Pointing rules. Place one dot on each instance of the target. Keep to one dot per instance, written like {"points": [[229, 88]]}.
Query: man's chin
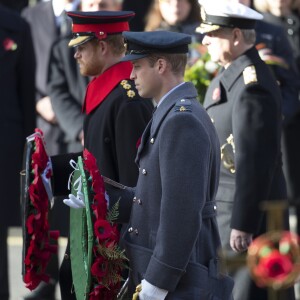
{"points": [[83, 73]]}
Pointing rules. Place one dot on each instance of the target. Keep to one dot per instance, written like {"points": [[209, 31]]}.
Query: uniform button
{"points": [[136, 232], [215, 207], [139, 201], [130, 229], [290, 31], [134, 199], [106, 140], [212, 120], [144, 172], [152, 141], [66, 256]]}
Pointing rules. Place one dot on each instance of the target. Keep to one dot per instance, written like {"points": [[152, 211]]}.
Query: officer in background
{"points": [[244, 104]]}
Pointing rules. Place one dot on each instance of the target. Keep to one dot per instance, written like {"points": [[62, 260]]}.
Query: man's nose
{"points": [[205, 40], [132, 75], [76, 54]]}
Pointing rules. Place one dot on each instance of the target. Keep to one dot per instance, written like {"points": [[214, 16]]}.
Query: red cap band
{"points": [[99, 28]]}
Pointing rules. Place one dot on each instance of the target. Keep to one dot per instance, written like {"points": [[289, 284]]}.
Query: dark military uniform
{"points": [[244, 104], [112, 129]]}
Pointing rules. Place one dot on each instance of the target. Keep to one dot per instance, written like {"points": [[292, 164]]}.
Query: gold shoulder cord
{"points": [[138, 289], [227, 159]]}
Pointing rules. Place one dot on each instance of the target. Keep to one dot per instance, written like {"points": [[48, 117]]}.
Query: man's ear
{"points": [[161, 65], [236, 36], [103, 46]]}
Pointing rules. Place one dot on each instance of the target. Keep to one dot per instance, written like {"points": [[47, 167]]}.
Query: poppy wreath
{"points": [[38, 250], [274, 259], [108, 260]]}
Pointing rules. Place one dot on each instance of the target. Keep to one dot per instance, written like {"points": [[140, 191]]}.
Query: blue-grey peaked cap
{"points": [[141, 44]]}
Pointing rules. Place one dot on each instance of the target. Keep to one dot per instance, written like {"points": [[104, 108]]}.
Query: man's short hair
{"points": [[116, 42], [249, 36], [176, 61]]}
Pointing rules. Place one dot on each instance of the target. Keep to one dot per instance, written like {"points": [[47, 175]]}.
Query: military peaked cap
{"points": [[226, 14], [97, 24], [141, 44]]}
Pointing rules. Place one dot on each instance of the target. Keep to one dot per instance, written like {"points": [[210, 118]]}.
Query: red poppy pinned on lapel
{"points": [[9, 45], [138, 142], [216, 95]]}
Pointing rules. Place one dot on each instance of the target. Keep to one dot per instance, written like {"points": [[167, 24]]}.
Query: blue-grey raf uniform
{"points": [[172, 237], [244, 104]]}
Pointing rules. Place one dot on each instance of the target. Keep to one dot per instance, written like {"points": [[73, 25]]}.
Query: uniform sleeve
{"points": [[256, 130], [26, 80], [131, 121], [288, 77], [184, 156]]}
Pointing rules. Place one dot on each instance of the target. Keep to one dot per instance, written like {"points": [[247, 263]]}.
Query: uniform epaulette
{"points": [[183, 105], [129, 89], [249, 74]]}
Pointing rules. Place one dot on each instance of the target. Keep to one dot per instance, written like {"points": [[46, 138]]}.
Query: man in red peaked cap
{"points": [[115, 115]]}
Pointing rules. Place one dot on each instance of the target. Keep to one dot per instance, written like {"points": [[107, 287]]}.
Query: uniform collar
{"points": [[169, 92], [160, 113], [183, 91], [99, 88]]}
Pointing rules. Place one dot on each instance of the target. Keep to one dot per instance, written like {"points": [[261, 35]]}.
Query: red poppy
{"points": [[9, 44], [103, 229], [274, 266], [99, 267], [138, 142], [32, 278], [39, 250], [108, 260]]}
